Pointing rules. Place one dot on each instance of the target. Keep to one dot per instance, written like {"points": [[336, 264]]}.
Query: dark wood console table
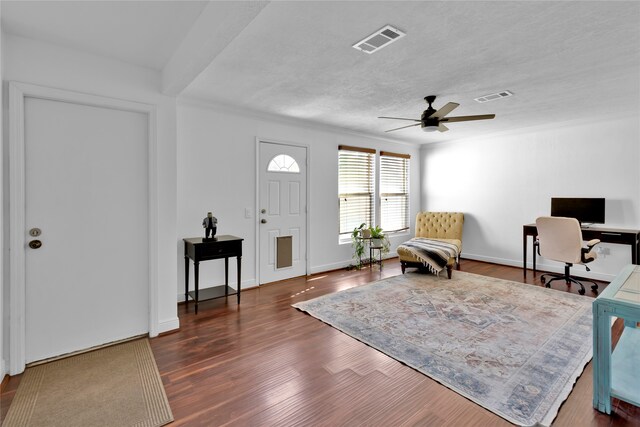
{"points": [[605, 235], [200, 249]]}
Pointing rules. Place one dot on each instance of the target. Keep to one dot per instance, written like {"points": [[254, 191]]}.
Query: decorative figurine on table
{"points": [[210, 224]]}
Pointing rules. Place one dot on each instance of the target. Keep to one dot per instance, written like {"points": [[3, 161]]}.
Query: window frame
{"points": [[406, 170], [344, 236]]}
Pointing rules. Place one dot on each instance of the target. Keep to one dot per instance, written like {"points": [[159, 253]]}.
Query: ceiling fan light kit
{"points": [[433, 120]]}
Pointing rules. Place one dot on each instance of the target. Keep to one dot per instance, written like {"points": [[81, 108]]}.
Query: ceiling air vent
{"points": [[381, 38], [494, 96]]}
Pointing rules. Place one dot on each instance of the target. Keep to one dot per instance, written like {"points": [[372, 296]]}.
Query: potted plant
{"points": [[357, 242], [379, 239]]}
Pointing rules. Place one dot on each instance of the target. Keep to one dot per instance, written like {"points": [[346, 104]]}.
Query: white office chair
{"points": [[560, 239]]}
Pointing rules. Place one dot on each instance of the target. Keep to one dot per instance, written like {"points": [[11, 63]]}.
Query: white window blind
{"points": [[394, 191], [355, 187]]}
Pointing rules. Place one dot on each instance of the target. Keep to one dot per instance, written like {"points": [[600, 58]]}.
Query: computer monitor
{"points": [[585, 210]]}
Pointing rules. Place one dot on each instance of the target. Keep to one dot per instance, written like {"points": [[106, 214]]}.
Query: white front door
{"points": [[282, 211], [86, 189]]}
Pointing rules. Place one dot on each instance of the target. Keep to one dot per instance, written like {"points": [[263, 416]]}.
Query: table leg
{"points": [[370, 257], [196, 268], [239, 258], [186, 281], [226, 276], [535, 254], [601, 360], [634, 253], [524, 253]]}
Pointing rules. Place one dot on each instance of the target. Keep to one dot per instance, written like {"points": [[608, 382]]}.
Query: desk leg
{"points": [[535, 254], [226, 276], [196, 268], [186, 281], [524, 253], [239, 271]]}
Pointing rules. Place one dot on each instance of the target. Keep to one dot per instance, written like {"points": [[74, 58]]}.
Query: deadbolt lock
{"points": [[35, 232], [35, 244], [264, 211]]}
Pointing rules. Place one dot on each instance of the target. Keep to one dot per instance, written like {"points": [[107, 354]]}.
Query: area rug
{"points": [[113, 386], [512, 348]]}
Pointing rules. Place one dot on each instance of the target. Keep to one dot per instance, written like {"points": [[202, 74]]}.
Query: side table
{"points": [[199, 249], [617, 374]]}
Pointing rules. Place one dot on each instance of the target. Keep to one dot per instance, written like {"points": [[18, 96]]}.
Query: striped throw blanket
{"points": [[433, 254]]}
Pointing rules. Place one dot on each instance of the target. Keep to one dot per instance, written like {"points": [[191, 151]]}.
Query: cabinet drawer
{"points": [[218, 250]]}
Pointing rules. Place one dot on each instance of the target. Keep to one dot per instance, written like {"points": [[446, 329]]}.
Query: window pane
{"points": [[355, 189], [283, 163], [394, 193]]}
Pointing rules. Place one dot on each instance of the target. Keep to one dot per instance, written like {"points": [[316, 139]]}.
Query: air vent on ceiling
{"points": [[381, 38], [494, 96]]}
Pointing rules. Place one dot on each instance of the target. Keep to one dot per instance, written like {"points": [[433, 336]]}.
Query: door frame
{"points": [[260, 140], [17, 289]]}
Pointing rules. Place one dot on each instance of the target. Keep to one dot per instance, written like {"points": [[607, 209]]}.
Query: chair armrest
{"points": [[591, 243]]}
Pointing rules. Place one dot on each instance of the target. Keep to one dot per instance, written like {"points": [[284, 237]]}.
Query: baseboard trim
{"points": [[541, 267], [169, 325]]}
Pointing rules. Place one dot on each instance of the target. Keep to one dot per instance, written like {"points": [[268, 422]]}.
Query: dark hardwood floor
{"points": [[267, 364]]}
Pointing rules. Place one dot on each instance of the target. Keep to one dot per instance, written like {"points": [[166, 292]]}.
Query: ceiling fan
{"points": [[433, 119]]}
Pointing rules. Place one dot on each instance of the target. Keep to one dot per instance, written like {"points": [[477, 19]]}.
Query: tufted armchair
{"points": [[443, 226]]}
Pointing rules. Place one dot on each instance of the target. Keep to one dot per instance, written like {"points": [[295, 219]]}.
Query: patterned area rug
{"points": [[515, 349], [113, 386]]}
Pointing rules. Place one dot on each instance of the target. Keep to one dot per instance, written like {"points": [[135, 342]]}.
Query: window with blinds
{"points": [[394, 191], [356, 173]]}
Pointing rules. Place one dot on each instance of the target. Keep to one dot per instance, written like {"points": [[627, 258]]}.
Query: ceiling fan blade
{"points": [[442, 128], [445, 110], [391, 130], [468, 118], [399, 118]]}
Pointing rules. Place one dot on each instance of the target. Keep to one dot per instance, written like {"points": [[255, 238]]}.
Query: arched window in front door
{"points": [[283, 163]]}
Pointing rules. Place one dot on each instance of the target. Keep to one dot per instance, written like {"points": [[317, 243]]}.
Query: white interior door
{"points": [[86, 189], [283, 209]]}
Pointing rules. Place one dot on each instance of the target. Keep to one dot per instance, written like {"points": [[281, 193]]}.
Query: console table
{"points": [[617, 373], [605, 235], [200, 249]]}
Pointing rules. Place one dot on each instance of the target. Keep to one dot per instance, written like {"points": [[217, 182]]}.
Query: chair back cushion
{"points": [[560, 238], [439, 225]]}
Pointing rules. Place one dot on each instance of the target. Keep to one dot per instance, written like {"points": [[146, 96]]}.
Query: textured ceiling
{"points": [[563, 60], [145, 33]]}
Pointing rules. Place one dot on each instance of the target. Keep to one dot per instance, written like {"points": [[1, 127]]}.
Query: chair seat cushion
{"points": [[407, 256]]}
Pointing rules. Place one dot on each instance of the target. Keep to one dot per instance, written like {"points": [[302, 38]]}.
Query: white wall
{"points": [[504, 181], [217, 172], [44, 64]]}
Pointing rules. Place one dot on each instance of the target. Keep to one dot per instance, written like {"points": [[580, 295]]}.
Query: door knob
{"points": [[35, 244], [264, 221]]}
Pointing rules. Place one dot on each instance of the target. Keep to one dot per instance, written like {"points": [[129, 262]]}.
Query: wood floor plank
{"points": [[265, 364]]}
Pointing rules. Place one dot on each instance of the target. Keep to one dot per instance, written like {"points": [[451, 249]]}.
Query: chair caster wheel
{"points": [[594, 287], [581, 291]]}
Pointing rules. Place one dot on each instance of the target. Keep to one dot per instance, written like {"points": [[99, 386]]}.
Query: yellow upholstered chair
{"points": [[439, 226]]}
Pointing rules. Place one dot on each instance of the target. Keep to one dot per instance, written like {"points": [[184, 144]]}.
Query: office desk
{"points": [[199, 249], [605, 235], [616, 374]]}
